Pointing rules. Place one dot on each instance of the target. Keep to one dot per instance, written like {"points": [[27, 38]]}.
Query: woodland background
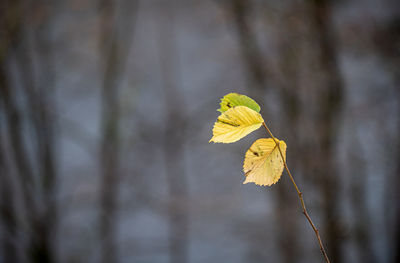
{"points": [[106, 109]]}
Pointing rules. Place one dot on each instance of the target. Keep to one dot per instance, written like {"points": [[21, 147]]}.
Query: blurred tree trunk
{"points": [[288, 88], [109, 167], [40, 217], [109, 159], [174, 139], [397, 183], [35, 98], [255, 70], [330, 99], [387, 43], [8, 217], [255, 66], [115, 40], [329, 96], [13, 24], [42, 104], [358, 187], [258, 71], [12, 122]]}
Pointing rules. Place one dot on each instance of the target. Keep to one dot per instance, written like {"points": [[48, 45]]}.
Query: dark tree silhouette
{"points": [[174, 139], [116, 26]]}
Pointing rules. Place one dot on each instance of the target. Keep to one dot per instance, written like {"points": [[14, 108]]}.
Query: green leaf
{"points": [[234, 99]]}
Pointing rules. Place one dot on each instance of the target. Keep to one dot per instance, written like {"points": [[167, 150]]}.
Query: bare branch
{"points": [[300, 194]]}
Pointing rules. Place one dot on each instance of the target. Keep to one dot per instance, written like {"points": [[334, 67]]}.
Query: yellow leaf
{"points": [[236, 123], [263, 163]]}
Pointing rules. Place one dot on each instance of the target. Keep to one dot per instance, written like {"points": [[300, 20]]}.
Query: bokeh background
{"points": [[107, 107]]}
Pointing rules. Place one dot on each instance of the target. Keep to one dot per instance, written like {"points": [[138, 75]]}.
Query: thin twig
{"points": [[300, 194]]}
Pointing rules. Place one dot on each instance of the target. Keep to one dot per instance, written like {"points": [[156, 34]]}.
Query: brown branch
{"points": [[300, 194]]}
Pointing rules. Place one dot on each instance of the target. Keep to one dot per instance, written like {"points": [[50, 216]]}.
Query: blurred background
{"points": [[107, 107]]}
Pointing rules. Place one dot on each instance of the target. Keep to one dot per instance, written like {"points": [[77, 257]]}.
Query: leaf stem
{"points": [[300, 194]]}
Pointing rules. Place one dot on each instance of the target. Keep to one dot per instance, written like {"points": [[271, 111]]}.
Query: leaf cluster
{"points": [[263, 164]]}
